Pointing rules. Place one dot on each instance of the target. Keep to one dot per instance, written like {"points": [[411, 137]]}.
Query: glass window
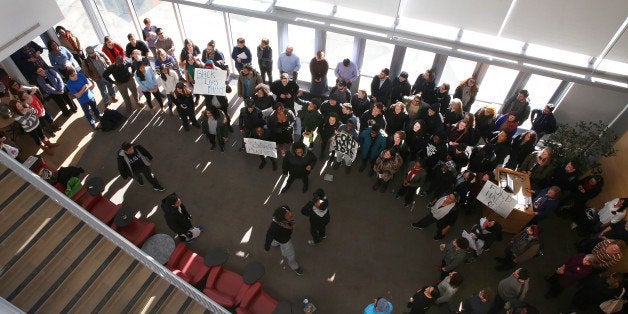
{"points": [[457, 70], [495, 85], [377, 55], [302, 39], [117, 19], [241, 27], [161, 14], [416, 62], [541, 89], [338, 47], [365, 82], [78, 22], [557, 55], [197, 21]]}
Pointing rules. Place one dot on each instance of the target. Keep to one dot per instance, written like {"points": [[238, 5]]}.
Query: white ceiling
{"points": [[619, 52], [383, 7]]}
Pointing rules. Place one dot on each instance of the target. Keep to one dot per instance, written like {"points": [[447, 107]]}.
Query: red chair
{"points": [[137, 231], [103, 209], [187, 264], [80, 197], [225, 287], [257, 301]]}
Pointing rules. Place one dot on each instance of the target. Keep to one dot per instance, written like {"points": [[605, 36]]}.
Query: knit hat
{"points": [[383, 305], [319, 193], [404, 74], [89, 50]]}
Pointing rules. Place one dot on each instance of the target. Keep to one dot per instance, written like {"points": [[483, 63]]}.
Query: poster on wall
{"points": [[500, 201], [260, 147], [210, 82]]}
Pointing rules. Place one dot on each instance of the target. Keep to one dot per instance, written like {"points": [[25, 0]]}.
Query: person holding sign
{"points": [[250, 119], [184, 101], [281, 126], [263, 134], [345, 145], [241, 54], [298, 164]]}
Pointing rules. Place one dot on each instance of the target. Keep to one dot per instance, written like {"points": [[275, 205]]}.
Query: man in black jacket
{"points": [[317, 211], [298, 163], [250, 119], [134, 160], [400, 88], [381, 87], [178, 218], [279, 234]]}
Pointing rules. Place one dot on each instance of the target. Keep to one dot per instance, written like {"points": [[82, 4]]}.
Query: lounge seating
{"points": [[187, 264], [138, 231], [257, 301]]}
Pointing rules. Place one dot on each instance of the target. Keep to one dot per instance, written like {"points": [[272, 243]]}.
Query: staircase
{"points": [[52, 262]]}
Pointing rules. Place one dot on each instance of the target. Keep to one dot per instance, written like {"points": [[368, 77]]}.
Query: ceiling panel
{"points": [[619, 52], [487, 17], [582, 26], [388, 8]]}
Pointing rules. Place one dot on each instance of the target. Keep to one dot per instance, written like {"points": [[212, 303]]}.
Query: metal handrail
{"points": [[108, 233]]}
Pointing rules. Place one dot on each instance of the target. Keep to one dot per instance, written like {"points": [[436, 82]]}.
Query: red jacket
{"points": [[117, 51]]}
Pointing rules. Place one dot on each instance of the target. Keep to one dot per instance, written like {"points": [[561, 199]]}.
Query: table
{"points": [[94, 185], [253, 272], [216, 257], [518, 186], [123, 218], [160, 246]]}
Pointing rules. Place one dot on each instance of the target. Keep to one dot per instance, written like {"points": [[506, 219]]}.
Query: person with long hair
{"points": [[484, 122], [214, 126], [184, 101], [147, 81], [262, 99], [454, 113], [189, 49], [71, 42], [522, 146], [190, 64], [281, 126], [168, 79], [466, 92], [44, 118], [26, 116]]}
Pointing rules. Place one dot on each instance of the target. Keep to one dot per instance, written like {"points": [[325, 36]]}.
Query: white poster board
{"points": [[344, 144], [497, 199], [260, 147], [210, 82]]}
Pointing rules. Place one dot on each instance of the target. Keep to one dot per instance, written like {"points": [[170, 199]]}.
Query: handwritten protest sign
{"points": [[345, 145], [210, 82], [259, 147], [500, 201]]}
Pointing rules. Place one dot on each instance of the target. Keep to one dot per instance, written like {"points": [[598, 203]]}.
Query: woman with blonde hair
{"points": [[454, 114], [484, 122], [466, 92]]}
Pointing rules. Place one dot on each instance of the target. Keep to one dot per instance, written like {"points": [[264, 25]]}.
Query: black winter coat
{"points": [[296, 165]]}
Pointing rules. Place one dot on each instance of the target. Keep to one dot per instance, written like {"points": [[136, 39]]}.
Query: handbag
{"points": [[613, 305]]}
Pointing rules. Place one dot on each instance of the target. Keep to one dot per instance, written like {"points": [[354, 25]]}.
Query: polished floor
{"points": [[370, 251]]}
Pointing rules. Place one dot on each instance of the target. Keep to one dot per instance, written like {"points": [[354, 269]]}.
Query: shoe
{"points": [[241, 149], [160, 189], [284, 189], [407, 205], [304, 189], [311, 242], [212, 147], [573, 225], [261, 165], [416, 226], [324, 236], [299, 271], [422, 193], [362, 167]]}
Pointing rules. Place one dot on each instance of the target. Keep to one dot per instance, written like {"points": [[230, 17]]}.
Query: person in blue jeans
{"points": [[81, 88]]}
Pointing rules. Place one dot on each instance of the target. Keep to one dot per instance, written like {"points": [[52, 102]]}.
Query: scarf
{"points": [[70, 38], [413, 172]]}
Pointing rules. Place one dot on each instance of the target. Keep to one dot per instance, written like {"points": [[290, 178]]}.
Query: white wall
{"points": [[20, 16]]}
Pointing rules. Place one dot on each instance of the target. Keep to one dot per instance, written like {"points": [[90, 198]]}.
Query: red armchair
{"points": [[137, 231], [225, 287], [187, 264], [257, 301], [103, 209]]}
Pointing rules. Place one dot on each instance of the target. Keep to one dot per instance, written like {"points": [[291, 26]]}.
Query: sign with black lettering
{"points": [[210, 82], [345, 145], [260, 147], [497, 199]]}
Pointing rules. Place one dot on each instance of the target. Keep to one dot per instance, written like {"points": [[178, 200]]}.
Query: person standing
{"points": [[147, 81], [265, 59], [286, 90], [122, 73], [135, 44], [415, 178], [134, 161], [543, 121], [423, 299], [346, 71], [317, 210], [319, 68], [179, 219], [381, 87], [61, 58], [511, 290], [71, 42], [184, 100], [81, 87], [149, 32], [248, 80], [298, 163], [51, 82], [26, 116], [455, 253], [164, 42], [279, 234], [289, 63], [213, 125], [94, 66], [241, 54], [112, 49], [518, 106]]}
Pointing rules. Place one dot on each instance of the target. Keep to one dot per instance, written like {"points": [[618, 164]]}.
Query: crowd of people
{"points": [[419, 133]]}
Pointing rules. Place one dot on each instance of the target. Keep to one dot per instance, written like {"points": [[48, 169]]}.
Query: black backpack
{"points": [[111, 120]]}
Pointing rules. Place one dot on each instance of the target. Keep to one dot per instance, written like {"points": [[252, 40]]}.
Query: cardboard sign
{"points": [[345, 145], [210, 82], [500, 201], [259, 147]]}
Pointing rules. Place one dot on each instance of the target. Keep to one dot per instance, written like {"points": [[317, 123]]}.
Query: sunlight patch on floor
{"points": [[118, 197], [109, 184], [332, 278], [144, 128], [152, 211], [242, 254], [84, 141], [148, 304], [207, 165], [247, 236]]}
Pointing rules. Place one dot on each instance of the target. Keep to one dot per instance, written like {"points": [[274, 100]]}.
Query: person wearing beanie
{"points": [[341, 92], [423, 299], [376, 113], [318, 212], [331, 105], [379, 306], [179, 219], [134, 161], [349, 132], [400, 88], [523, 246], [279, 234]]}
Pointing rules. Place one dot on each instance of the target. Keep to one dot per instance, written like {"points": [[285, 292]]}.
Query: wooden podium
{"points": [[514, 185]]}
